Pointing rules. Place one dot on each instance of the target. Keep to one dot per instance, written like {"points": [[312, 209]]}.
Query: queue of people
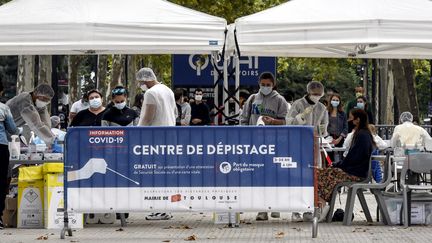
{"points": [[158, 105]]}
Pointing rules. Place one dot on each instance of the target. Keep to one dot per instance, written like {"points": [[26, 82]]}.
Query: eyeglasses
{"points": [[120, 91]]}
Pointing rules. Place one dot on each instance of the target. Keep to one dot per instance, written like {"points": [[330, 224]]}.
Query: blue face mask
{"points": [[360, 105], [334, 103]]}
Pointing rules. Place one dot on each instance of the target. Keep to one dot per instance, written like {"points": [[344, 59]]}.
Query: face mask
{"points": [[144, 87], [315, 98], [335, 103], [265, 90], [358, 94], [120, 106], [41, 104], [95, 103], [198, 97], [360, 105]]}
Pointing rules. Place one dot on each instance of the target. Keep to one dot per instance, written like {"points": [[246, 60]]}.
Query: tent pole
{"points": [[237, 85], [225, 90], [216, 86]]}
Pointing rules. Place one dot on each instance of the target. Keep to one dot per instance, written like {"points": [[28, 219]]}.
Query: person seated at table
{"points": [[354, 167], [407, 134]]}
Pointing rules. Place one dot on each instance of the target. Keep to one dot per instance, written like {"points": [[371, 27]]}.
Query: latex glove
{"points": [[260, 121], [300, 119], [20, 130], [321, 128], [308, 110], [88, 170]]}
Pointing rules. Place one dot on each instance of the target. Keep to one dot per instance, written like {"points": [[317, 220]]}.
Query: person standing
{"points": [[359, 91], [137, 105], [119, 114], [7, 127], [269, 105], [159, 106], [184, 107], [78, 106], [338, 125], [29, 110], [93, 115], [309, 111], [158, 109], [364, 105], [200, 113]]}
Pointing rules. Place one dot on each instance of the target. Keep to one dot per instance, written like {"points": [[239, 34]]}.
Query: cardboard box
{"points": [[224, 218], [394, 206], [30, 204], [54, 204]]}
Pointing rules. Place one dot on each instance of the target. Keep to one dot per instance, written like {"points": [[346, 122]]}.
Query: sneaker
{"points": [[261, 216], [308, 217], [159, 216], [296, 217], [323, 215], [1, 224], [275, 215]]}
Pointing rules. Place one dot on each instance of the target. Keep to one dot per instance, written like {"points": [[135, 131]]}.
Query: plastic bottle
{"points": [[14, 147]]}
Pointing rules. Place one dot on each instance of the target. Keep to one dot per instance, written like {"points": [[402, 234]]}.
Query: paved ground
{"points": [[185, 225]]}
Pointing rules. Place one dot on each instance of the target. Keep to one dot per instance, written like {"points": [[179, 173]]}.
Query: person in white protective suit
{"points": [[309, 111], [407, 134], [158, 109], [29, 110]]}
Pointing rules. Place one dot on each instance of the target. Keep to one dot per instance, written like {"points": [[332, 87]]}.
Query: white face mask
{"points": [[95, 103], [120, 106], [335, 103], [315, 98], [266, 90], [144, 87], [41, 104], [198, 97]]}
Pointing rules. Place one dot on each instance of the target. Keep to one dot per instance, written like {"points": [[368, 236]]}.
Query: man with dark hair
{"points": [[271, 107], [267, 103], [7, 126], [183, 107], [200, 114]]}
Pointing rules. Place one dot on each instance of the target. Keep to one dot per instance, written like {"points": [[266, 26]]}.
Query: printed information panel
{"points": [[190, 168]]}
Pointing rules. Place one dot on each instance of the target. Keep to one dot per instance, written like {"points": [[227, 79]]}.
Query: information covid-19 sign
{"points": [[198, 71], [189, 168]]}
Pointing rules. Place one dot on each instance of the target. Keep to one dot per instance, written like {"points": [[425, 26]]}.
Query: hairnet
{"points": [[406, 117], [55, 121], [44, 90], [314, 85], [145, 74]]}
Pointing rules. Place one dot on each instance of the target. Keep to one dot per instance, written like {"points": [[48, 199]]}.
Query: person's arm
{"points": [[148, 114], [245, 116], [324, 124], [291, 118], [186, 116], [381, 144], [395, 137], [344, 125], [33, 119], [9, 123]]}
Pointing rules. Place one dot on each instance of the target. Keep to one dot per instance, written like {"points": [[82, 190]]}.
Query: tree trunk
{"points": [[45, 70], [132, 85], [25, 77], [386, 91], [117, 69], [405, 93], [74, 86], [102, 82]]}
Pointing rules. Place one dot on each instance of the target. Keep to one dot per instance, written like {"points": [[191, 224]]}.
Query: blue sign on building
{"points": [[197, 70]]}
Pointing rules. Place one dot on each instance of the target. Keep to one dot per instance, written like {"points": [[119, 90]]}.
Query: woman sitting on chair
{"points": [[354, 167]]}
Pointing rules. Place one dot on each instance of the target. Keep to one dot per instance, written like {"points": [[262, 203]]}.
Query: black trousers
{"points": [[4, 181]]}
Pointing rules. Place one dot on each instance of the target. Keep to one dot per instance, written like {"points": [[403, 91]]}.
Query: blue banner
{"points": [[197, 70], [231, 161]]}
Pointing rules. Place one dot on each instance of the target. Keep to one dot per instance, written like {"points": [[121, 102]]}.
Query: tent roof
{"points": [[106, 27], [339, 28]]}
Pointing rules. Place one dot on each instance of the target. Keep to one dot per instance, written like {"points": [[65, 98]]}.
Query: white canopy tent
{"points": [[339, 28], [50, 27]]}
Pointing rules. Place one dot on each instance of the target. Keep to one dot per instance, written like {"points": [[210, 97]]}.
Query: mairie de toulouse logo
{"points": [[225, 167]]}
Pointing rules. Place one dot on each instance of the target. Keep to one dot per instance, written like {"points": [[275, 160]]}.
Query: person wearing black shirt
{"points": [[200, 114], [119, 114], [93, 115]]}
